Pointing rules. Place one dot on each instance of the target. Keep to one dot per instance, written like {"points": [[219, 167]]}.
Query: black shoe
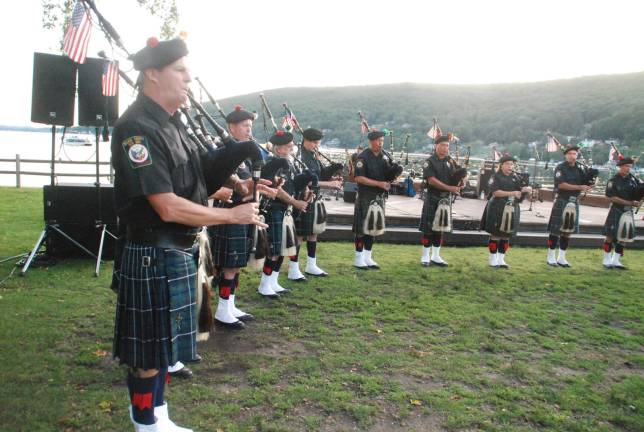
{"points": [[302, 279], [237, 325], [246, 317], [184, 373], [270, 296], [440, 264], [284, 291], [503, 266], [317, 275], [620, 267], [197, 359], [374, 267], [361, 268], [424, 263]]}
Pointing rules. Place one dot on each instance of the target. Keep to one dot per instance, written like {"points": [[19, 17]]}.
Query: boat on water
{"points": [[78, 140]]}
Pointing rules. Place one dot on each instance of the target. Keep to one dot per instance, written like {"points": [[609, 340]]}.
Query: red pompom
{"points": [[238, 107], [152, 42], [620, 157], [279, 133]]}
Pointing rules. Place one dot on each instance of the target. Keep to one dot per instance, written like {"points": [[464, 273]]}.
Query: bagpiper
{"points": [[625, 192], [502, 213]]}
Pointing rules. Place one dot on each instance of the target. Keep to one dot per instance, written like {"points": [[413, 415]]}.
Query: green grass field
{"points": [[405, 348]]}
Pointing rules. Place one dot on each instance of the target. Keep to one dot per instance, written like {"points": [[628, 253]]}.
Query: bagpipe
{"points": [[459, 172], [328, 171], [393, 170]]}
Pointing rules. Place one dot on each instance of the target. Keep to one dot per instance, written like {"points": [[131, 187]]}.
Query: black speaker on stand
{"points": [[52, 102], [98, 110]]}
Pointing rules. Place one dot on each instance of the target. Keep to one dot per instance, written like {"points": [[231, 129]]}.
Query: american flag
{"points": [[553, 144], [611, 154], [364, 127], [77, 34], [435, 131], [496, 155], [110, 78]]}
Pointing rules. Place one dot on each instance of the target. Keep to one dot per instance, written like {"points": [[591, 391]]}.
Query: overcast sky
{"points": [[240, 47]]}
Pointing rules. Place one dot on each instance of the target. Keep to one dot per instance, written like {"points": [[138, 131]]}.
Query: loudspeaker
{"points": [[53, 90], [93, 107], [87, 235], [79, 204]]}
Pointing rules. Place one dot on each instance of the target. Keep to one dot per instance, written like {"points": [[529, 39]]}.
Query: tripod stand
{"points": [[49, 227]]}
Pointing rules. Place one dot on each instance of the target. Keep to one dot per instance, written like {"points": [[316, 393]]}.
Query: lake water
{"points": [[37, 145]]}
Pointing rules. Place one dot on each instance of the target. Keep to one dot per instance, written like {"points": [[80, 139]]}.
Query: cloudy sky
{"points": [[240, 47]]}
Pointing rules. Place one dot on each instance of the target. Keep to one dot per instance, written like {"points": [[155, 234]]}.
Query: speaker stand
{"points": [[43, 236], [99, 222]]}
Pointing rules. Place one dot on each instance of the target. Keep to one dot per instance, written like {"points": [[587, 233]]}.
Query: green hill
{"points": [[600, 107]]}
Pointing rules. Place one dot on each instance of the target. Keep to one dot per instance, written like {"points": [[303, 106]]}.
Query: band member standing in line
{"points": [[437, 172], [625, 192], [282, 145], [161, 200], [501, 215], [304, 223], [370, 175], [569, 176], [230, 243]]}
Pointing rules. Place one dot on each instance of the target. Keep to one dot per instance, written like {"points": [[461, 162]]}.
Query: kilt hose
{"points": [[156, 316], [493, 215], [555, 222], [360, 209]]}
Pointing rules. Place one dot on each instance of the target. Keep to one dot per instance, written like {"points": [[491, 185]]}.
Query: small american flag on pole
{"points": [[110, 78], [77, 34], [435, 131], [553, 144]]}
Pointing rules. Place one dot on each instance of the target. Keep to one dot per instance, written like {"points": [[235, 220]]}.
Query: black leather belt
{"points": [[161, 238]]}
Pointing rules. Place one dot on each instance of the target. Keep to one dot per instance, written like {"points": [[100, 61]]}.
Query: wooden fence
{"points": [[18, 172]]}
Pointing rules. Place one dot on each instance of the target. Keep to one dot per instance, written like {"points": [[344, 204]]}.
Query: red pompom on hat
{"points": [[152, 42], [238, 107], [279, 133]]}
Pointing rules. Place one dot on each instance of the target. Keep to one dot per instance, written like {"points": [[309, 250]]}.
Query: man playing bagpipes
{"points": [[312, 222], [231, 243], [501, 215], [625, 192], [160, 196], [570, 181], [374, 172], [281, 227], [443, 179]]}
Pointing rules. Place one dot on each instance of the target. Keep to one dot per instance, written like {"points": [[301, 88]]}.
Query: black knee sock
{"points": [[142, 398], [553, 241], [311, 245], [504, 245], [563, 243], [359, 242], [295, 257], [437, 239], [162, 379], [619, 249], [277, 264], [233, 288], [368, 242]]}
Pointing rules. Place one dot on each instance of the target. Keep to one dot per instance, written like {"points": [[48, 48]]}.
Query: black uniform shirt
{"points": [[564, 173], [311, 162], [152, 154], [288, 187], [373, 167], [506, 183], [623, 187], [441, 169]]}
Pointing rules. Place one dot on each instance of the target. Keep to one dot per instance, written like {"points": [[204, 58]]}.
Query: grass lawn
{"points": [[405, 348]]}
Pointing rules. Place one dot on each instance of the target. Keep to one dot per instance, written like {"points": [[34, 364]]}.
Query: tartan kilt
{"points": [[304, 221], [612, 221], [430, 204], [156, 316], [230, 245], [360, 209], [554, 223], [493, 215], [274, 220]]}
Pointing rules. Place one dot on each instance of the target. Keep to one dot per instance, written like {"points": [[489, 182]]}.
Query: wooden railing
{"points": [[18, 172]]}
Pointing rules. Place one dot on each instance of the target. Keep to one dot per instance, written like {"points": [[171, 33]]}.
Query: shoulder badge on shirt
{"points": [[426, 164], [609, 184], [558, 174], [138, 151], [359, 164], [491, 180]]}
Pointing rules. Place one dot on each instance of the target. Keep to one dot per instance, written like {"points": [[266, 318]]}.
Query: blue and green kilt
{"points": [[304, 221], [230, 245], [274, 220], [493, 215], [156, 316], [430, 204], [554, 223], [360, 209], [612, 221]]}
